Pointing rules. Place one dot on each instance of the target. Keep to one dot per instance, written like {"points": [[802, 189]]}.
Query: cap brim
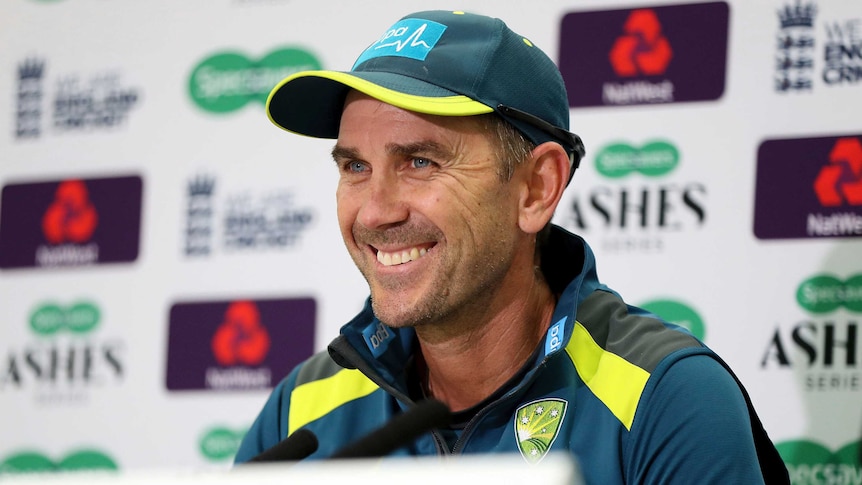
{"points": [[310, 102]]}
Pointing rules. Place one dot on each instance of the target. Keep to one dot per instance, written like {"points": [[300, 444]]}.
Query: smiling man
{"points": [[453, 150]]}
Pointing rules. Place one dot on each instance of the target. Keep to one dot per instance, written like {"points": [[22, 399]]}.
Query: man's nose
{"points": [[384, 202]]}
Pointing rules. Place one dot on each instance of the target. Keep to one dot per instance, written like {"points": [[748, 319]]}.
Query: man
{"points": [[453, 152]]}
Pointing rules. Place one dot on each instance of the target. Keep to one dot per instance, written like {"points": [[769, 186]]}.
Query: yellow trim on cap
{"points": [[458, 105], [615, 381], [317, 398]]}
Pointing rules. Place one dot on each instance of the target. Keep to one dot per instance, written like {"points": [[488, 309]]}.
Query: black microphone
{"points": [[399, 431], [295, 447]]}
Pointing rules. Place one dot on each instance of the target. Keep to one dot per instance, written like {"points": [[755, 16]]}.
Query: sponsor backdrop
{"points": [[167, 255]]}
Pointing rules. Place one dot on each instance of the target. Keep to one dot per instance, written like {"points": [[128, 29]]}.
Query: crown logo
{"points": [[798, 15], [202, 185], [31, 69]]}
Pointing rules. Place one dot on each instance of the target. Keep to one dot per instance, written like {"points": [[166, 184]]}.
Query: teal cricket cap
{"points": [[440, 63]]}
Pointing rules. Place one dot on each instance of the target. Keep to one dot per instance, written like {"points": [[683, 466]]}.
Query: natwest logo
{"points": [[70, 222], [809, 187], [840, 181], [643, 49], [241, 338], [661, 54], [228, 345], [71, 217]]}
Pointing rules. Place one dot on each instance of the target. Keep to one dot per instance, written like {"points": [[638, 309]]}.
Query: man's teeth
{"points": [[391, 259]]}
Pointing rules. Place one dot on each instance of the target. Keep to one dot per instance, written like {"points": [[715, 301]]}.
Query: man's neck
{"points": [[467, 361]]}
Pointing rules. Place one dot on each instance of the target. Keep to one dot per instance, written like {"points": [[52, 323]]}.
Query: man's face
{"points": [[424, 213]]}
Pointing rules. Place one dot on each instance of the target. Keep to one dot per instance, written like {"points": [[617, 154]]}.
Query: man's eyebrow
{"points": [[428, 147], [344, 153]]}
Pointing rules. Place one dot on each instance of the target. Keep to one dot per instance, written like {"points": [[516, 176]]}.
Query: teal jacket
{"points": [[633, 398]]}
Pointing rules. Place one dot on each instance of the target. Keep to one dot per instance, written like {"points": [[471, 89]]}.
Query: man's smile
{"points": [[396, 257]]}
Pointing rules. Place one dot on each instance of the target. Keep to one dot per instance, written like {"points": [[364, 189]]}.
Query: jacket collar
{"points": [[382, 353]]}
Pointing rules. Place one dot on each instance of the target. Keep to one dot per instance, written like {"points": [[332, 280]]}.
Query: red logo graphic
{"points": [[241, 339], [642, 49], [841, 180], [71, 217]]}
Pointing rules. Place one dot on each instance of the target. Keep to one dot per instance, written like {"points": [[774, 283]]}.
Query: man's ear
{"points": [[545, 178]]}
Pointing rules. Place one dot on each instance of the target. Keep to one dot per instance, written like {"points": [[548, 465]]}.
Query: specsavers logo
{"points": [[824, 346], [653, 159], [220, 443], [226, 81], [68, 357], [36, 462], [642, 205], [826, 293], [809, 462], [536, 427]]}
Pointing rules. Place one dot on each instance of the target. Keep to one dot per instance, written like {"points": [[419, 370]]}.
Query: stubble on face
{"points": [[463, 283]]}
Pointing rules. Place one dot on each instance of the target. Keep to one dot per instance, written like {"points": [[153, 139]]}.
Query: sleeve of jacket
{"points": [[270, 426], [692, 426]]}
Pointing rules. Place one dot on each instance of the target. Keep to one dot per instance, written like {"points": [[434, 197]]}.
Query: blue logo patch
{"points": [[377, 337], [556, 336], [413, 38]]}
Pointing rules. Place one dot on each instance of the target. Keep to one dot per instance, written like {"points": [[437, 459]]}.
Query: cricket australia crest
{"points": [[536, 427]]}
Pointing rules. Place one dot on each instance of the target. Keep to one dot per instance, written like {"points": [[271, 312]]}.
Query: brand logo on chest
{"points": [[537, 425]]}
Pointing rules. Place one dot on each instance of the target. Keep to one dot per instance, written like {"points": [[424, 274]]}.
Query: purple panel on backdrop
{"points": [[237, 345], [644, 56], [809, 187], [70, 222]]}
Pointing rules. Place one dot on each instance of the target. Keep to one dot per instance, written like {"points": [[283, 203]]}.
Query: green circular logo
{"points": [[226, 81], [826, 293], [35, 462], [219, 443], [652, 160], [809, 462], [79, 318]]}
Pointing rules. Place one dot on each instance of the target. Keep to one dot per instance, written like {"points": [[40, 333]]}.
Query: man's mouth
{"points": [[393, 258]]}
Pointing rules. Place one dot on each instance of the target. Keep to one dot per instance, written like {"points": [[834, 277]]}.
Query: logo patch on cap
{"points": [[413, 38]]}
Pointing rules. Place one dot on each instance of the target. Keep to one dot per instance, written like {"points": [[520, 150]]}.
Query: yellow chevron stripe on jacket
{"points": [[317, 398], [615, 381]]}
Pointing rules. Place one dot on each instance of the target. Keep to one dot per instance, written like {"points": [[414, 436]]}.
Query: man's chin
{"points": [[394, 314]]}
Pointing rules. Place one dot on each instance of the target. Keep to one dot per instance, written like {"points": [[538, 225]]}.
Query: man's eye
{"points": [[354, 167], [421, 163]]}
